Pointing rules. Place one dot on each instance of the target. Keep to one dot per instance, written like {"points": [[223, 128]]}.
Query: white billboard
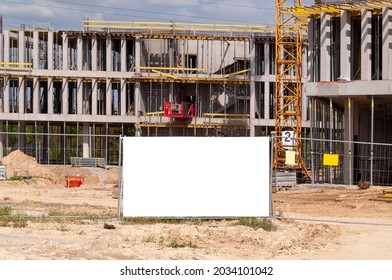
{"points": [[196, 177]]}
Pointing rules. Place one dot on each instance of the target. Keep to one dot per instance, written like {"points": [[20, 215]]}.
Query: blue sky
{"points": [[69, 14]]}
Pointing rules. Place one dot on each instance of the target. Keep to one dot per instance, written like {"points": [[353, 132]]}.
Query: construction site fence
{"points": [[59, 181], [353, 170], [338, 162], [329, 163], [63, 148]]}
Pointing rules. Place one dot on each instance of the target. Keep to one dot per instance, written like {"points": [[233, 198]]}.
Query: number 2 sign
{"points": [[288, 139]]}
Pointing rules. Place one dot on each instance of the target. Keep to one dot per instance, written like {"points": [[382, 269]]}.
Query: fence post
{"points": [[120, 189], [271, 174], [311, 142], [371, 142], [330, 137], [350, 164]]}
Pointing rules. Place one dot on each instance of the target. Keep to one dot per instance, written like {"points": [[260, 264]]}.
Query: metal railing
{"points": [[16, 66], [178, 28]]}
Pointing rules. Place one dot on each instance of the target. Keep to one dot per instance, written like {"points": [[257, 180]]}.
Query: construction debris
{"points": [[386, 196], [363, 185], [108, 226]]}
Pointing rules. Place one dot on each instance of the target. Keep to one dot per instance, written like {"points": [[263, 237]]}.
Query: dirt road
{"points": [[357, 228], [293, 239]]}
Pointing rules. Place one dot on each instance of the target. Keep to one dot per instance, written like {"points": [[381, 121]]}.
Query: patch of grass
{"points": [[9, 220], [174, 244], [151, 221], [16, 221], [149, 239], [5, 211], [76, 215], [62, 227], [16, 178], [257, 223], [54, 213]]}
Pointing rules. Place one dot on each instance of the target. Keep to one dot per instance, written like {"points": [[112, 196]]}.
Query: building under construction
{"points": [[350, 67], [75, 89], [127, 78]]}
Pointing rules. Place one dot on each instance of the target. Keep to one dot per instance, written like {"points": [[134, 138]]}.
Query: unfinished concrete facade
{"points": [[350, 66], [77, 88]]}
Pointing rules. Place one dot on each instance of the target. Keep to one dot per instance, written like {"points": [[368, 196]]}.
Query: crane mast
{"points": [[288, 88]]}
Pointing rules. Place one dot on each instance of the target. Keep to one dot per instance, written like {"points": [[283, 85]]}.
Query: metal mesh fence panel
{"points": [[355, 188], [38, 179]]}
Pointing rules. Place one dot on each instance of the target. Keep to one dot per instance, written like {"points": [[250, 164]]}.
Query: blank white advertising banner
{"points": [[196, 177]]}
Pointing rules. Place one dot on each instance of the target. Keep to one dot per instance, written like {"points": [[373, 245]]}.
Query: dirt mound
{"points": [[18, 163]]}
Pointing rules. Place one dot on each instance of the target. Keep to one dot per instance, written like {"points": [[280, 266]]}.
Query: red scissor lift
{"points": [[183, 110]]}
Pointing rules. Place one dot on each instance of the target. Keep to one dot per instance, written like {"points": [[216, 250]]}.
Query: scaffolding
{"points": [[205, 65]]}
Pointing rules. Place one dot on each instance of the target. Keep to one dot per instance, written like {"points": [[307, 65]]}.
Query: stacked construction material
{"points": [[385, 196]]}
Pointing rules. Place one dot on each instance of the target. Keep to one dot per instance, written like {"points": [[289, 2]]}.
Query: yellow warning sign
{"points": [[331, 160], [290, 157]]}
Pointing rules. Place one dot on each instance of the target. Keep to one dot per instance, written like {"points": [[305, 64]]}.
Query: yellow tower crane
{"points": [[288, 88]]}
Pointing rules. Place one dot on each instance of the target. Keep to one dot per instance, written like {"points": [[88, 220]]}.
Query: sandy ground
{"points": [[312, 223]]}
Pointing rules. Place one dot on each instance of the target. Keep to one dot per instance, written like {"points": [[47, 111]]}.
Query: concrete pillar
{"points": [[86, 101], [310, 66], [1, 139], [252, 93], [50, 50], [386, 43], [50, 95], [137, 96], [266, 100], [109, 56], [305, 62], [94, 96], [22, 136], [108, 97], [65, 99], [86, 142], [123, 54], [6, 46], [35, 49], [36, 103], [65, 53], [325, 47], [123, 93], [137, 55], [1, 47], [366, 45], [79, 97], [345, 45], [22, 46], [304, 107], [2, 96], [137, 99], [267, 60], [79, 51], [6, 94], [94, 53], [22, 89]]}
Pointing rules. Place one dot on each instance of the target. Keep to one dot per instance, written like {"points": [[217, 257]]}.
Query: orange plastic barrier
{"points": [[74, 181]]}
